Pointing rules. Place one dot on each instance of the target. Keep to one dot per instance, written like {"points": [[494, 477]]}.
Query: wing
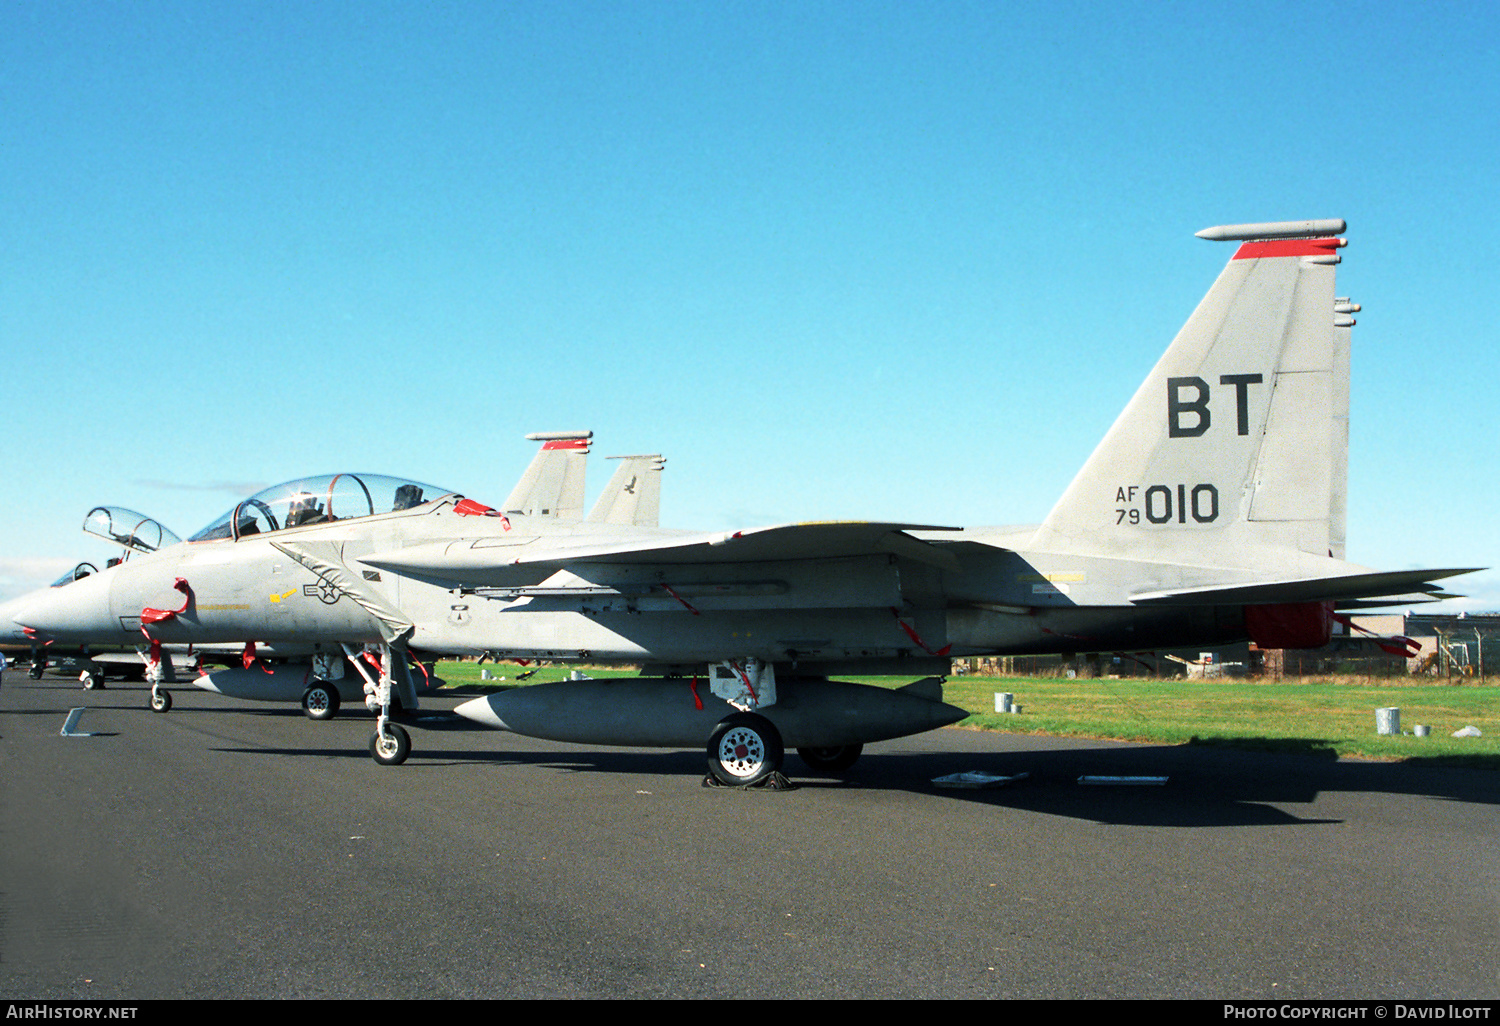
{"points": [[505, 561]]}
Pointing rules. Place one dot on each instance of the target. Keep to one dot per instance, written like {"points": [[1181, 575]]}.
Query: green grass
{"points": [[1324, 715], [466, 675], [1330, 715]]}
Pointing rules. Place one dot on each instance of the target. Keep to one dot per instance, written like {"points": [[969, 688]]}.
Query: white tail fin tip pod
{"points": [[1274, 230]]}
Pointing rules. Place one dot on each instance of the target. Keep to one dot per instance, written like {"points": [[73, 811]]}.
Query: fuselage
{"points": [[463, 586]]}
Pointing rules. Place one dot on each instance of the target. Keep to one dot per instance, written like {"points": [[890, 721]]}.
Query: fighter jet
{"points": [[1212, 512]]}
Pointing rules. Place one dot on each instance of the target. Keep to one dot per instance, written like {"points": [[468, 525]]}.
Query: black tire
{"points": [[93, 680], [161, 700], [744, 749], [320, 701], [391, 748], [35, 673], [840, 757]]}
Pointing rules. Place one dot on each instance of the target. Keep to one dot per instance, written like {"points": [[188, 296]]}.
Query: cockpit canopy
{"points": [[126, 527], [78, 573], [320, 500]]}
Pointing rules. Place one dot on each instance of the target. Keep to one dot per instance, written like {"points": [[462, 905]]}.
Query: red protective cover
{"points": [[1290, 625]]}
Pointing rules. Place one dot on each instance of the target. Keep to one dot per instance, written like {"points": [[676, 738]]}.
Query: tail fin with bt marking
{"points": [[1234, 448]]}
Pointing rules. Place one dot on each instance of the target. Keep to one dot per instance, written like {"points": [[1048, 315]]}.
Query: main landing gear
{"points": [[321, 700], [744, 749]]}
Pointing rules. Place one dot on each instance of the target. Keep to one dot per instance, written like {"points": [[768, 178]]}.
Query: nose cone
{"points": [[11, 633], [78, 611]]}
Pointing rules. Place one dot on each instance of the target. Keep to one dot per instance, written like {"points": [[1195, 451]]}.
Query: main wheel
{"points": [[744, 749], [35, 673], [161, 700], [320, 701], [839, 757], [391, 748], [93, 680]]}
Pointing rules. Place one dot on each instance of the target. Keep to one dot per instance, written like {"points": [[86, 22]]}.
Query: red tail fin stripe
{"points": [[1287, 248]]}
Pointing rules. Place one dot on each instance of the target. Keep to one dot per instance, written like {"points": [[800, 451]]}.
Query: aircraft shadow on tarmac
{"points": [[1208, 785], [1205, 788]]}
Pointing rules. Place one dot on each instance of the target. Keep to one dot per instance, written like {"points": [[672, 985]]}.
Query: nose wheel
{"points": [[744, 749], [391, 746], [161, 699]]}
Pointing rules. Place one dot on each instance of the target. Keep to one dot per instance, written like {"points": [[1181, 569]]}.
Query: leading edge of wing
{"points": [[1304, 589], [809, 540], [813, 540]]}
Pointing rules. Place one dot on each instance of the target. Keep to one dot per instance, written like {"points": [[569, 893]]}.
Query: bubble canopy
{"points": [[78, 573], [128, 528], [320, 500]]}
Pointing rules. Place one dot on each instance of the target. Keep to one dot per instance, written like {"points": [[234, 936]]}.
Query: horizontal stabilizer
{"points": [[1318, 589], [1411, 598]]}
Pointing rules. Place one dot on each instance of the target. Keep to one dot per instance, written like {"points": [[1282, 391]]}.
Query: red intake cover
{"points": [[1290, 625]]}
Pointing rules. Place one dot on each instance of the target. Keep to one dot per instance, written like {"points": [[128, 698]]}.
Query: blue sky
{"points": [[834, 260]]}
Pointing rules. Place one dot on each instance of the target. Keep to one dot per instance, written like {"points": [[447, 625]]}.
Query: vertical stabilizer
{"points": [[553, 484], [1235, 447], [633, 495]]}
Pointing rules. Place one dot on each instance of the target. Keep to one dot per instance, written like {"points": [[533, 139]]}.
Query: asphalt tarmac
{"points": [[233, 850]]}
